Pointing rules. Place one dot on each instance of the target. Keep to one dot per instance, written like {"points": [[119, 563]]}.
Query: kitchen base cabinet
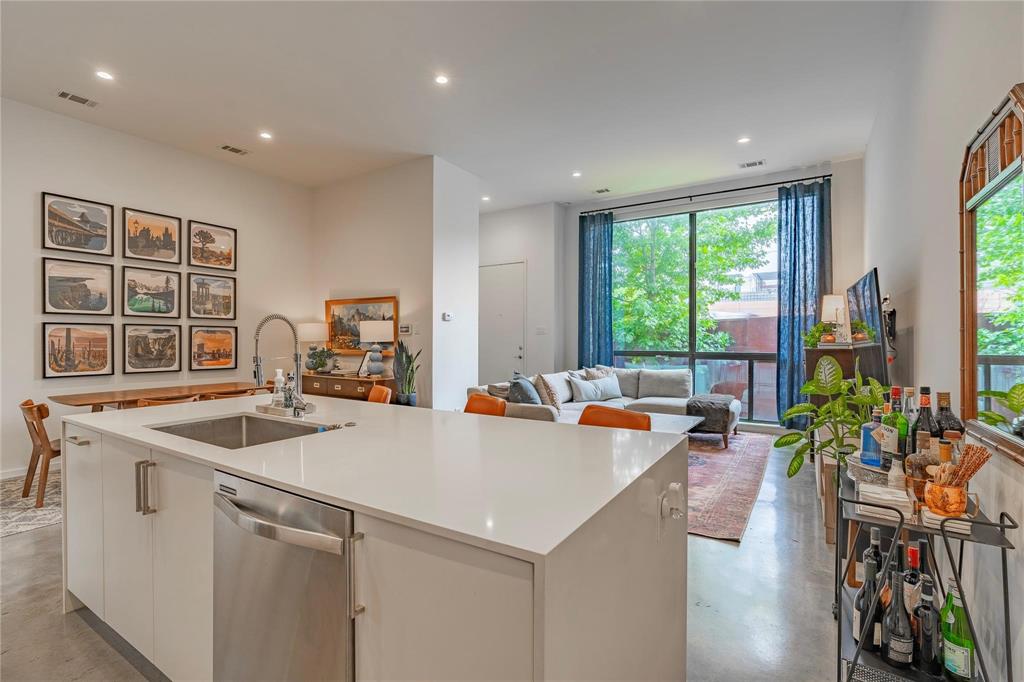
{"points": [[82, 500]]}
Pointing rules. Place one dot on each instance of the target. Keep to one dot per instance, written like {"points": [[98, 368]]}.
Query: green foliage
{"points": [[848, 405], [1012, 400], [320, 356], [864, 328], [651, 274], [999, 236], [405, 368], [814, 334]]}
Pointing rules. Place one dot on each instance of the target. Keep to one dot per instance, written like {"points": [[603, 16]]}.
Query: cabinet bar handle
{"points": [[138, 485], [77, 440], [354, 609], [146, 509], [299, 537]]}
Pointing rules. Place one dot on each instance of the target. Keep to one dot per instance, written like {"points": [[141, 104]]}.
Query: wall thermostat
{"points": [[447, 317], [404, 329]]}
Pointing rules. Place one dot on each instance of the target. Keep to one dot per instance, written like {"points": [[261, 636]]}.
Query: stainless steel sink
{"points": [[239, 431]]}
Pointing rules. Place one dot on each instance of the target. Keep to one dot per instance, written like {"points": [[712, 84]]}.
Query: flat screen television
{"points": [[865, 303]]}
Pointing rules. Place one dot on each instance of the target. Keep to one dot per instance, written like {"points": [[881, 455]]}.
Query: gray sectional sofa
{"points": [[643, 390]]}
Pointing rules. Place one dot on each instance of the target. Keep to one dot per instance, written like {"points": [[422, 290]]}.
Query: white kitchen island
{"points": [[491, 548]]}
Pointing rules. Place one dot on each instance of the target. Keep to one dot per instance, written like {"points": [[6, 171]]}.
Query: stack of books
{"points": [[932, 520], [891, 497]]}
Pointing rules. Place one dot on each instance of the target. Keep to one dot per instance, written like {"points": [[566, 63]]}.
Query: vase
{"points": [[403, 399], [376, 366], [411, 399]]}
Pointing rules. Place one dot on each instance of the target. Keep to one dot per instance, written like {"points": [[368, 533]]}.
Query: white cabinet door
{"points": [[127, 547], [439, 609], [182, 494], [82, 485]]}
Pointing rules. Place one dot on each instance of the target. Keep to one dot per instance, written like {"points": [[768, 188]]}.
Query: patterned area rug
{"points": [[19, 514], [723, 484]]}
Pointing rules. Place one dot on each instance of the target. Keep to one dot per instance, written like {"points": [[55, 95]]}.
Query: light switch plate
{"points": [[447, 317]]}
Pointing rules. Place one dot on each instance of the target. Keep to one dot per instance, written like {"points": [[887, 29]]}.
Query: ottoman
{"points": [[716, 408]]}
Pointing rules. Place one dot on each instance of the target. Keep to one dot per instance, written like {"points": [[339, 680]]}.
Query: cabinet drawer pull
{"points": [[354, 609], [77, 440], [316, 384], [138, 485], [146, 509], [337, 387], [361, 389]]}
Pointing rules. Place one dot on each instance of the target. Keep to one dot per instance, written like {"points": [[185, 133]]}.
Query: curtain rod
{"points": [[706, 194]]}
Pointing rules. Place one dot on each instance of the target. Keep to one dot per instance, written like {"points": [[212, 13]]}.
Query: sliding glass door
{"points": [[700, 290]]}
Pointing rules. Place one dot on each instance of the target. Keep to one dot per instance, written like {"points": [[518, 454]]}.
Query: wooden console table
{"points": [[353, 388]]}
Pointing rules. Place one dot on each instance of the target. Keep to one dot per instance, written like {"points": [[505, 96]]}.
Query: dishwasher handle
{"points": [[276, 531]]}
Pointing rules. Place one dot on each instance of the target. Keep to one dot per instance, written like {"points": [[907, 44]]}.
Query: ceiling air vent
{"points": [[77, 99], [752, 164], [234, 150], [603, 190]]}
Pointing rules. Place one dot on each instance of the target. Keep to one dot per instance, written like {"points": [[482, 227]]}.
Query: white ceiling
{"points": [[638, 96]]}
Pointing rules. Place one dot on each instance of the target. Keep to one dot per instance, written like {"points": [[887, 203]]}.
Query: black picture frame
{"points": [[74, 232], [234, 297], [124, 236], [47, 310], [125, 299], [192, 350], [124, 348], [234, 246], [45, 354]]}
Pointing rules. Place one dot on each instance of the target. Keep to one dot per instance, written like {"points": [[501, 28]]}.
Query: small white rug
{"points": [[19, 514]]}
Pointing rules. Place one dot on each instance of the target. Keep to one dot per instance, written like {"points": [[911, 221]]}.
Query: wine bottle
{"points": [[911, 579], [957, 642], [946, 419], [897, 637], [862, 612], [928, 638], [897, 419], [895, 564], [925, 421]]}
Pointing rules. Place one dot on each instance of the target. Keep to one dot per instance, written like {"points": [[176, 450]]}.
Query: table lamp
{"points": [[376, 332], [833, 310]]}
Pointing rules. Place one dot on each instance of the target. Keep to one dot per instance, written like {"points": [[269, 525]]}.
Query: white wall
{"points": [[532, 234], [43, 151], [959, 61], [847, 223]]}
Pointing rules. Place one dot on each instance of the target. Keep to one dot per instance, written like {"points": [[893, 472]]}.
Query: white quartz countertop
{"points": [[496, 482]]}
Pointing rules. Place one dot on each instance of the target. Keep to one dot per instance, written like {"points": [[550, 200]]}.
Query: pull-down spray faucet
{"points": [[258, 362]]}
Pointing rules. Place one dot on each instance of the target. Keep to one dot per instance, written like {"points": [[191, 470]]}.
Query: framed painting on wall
{"points": [[77, 287], [213, 347], [71, 224], [212, 246], [150, 293], [344, 315], [77, 350], [149, 348], [211, 296], [151, 236]]}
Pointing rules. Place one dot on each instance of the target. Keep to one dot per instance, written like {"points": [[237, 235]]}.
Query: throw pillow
{"points": [[608, 386], [522, 390], [665, 383], [559, 381], [498, 390], [604, 388], [547, 392], [629, 381], [591, 373]]}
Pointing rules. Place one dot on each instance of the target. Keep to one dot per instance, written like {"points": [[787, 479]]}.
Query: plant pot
{"points": [[403, 398], [945, 500], [411, 399]]}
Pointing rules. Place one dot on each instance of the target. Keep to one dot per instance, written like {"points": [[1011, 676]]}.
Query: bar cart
{"points": [[855, 665]]}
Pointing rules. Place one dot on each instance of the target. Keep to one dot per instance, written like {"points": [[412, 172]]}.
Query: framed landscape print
{"points": [[150, 293], [148, 348], [343, 318], [77, 287], [211, 296], [77, 350], [151, 236], [212, 246], [71, 224], [213, 347]]}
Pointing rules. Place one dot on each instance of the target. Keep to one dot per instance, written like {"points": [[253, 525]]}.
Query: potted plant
{"points": [[813, 336], [405, 369], [318, 358], [862, 331], [1012, 400]]}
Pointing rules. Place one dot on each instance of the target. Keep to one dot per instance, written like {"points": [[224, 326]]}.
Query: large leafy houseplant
{"points": [[405, 369], [848, 404], [1013, 400]]}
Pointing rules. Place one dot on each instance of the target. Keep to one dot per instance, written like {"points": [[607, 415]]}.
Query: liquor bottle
{"points": [[874, 551], [862, 612], [928, 637], [909, 408], [925, 421], [957, 642], [897, 637], [912, 579], [945, 417], [897, 419], [871, 449], [945, 451]]}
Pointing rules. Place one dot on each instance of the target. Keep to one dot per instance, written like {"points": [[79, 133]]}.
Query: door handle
{"points": [[138, 485], [146, 466], [77, 440], [354, 609], [276, 531]]}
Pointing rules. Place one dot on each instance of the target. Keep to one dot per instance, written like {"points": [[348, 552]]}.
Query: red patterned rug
{"points": [[723, 483]]}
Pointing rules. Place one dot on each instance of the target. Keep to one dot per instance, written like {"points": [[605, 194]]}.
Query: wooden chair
{"points": [[480, 403], [380, 394], [614, 417], [241, 393], [152, 402], [42, 447]]}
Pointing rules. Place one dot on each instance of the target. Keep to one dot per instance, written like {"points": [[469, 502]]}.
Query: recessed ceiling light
{"points": [[441, 79], [266, 135], [105, 75], [576, 174], [743, 140], [485, 198]]}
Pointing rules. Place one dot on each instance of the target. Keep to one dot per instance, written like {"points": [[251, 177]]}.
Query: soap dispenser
{"points": [[279, 382]]}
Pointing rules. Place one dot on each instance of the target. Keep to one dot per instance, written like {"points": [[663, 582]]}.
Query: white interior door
{"points": [[502, 321]]}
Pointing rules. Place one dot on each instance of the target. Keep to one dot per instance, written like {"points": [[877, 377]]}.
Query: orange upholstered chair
{"points": [[379, 394], [480, 403], [616, 418]]}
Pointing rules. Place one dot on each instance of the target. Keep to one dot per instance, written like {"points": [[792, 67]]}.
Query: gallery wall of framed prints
{"points": [[153, 287]]}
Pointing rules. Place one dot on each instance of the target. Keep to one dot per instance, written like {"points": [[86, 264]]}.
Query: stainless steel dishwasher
{"points": [[282, 585]]}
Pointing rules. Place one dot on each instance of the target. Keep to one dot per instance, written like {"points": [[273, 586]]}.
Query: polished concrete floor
{"points": [[760, 610]]}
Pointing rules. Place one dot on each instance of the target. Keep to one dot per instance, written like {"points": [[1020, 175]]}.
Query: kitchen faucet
{"points": [[258, 362]]}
